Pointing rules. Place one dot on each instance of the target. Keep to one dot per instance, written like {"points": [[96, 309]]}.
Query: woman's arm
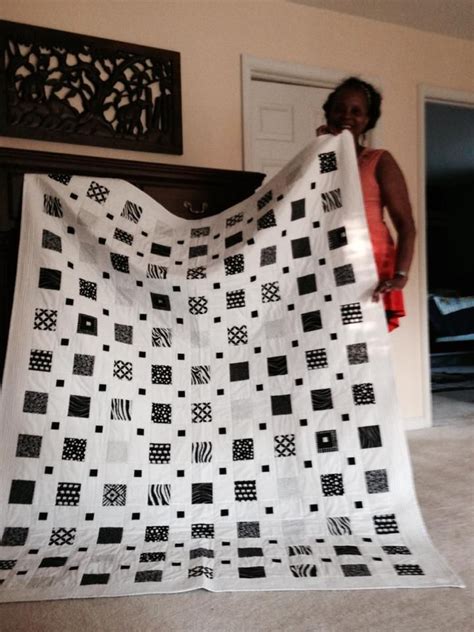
{"points": [[395, 198]]}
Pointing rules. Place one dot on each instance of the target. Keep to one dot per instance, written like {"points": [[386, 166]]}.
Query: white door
{"points": [[283, 119]]}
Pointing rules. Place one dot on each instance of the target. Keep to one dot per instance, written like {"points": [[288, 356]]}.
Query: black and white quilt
{"points": [[203, 404]]}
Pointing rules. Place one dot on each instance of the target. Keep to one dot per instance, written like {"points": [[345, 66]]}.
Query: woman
{"points": [[355, 105]]}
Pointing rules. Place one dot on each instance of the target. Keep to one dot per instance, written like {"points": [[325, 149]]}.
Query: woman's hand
{"points": [[395, 283]]}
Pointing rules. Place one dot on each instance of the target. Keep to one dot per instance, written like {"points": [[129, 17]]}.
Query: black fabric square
{"points": [[79, 406], [201, 493], [49, 279], [281, 404], [87, 325], [161, 250], [120, 262], [239, 371], [83, 364], [311, 321], [326, 441], [110, 535], [35, 402], [357, 353], [236, 238], [21, 492], [297, 209], [337, 238], [300, 247], [29, 446], [268, 256], [344, 275], [277, 365], [306, 284], [321, 399], [197, 251], [14, 536], [160, 301], [51, 241], [369, 437]]}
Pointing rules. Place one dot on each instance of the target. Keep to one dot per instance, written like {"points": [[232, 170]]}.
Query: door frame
{"points": [[429, 94], [286, 72]]}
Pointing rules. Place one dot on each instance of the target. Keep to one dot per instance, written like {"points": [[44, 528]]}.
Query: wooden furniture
{"points": [[189, 192]]}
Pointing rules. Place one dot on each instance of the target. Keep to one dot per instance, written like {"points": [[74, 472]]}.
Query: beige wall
{"points": [[211, 36]]}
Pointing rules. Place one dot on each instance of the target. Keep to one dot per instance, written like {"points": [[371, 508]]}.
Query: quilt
{"points": [[207, 403]]}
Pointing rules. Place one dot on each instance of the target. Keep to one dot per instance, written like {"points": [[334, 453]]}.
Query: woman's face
{"points": [[349, 111]]}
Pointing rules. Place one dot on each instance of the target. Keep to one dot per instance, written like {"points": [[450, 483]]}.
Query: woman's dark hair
{"points": [[374, 98]]}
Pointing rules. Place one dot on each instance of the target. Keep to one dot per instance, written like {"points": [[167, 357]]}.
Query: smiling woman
{"points": [[355, 106]]}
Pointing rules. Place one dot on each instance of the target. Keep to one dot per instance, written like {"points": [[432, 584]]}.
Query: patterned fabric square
{"points": [[197, 305], [245, 491], [35, 402], [200, 374], [196, 273], [79, 406], [285, 445], [357, 353], [355, 570], [351, 313], [159, 453], [49, 279], [311, 321], [237, 335], [45, 319], [385, 524], [14, 536], [344, 275], [363, 394], [159, 494], [201, 493], [98, 192], [201, 412], [235, 299], [332, 484], [68, 494], [266, 221], [87, 325], [321, 399], [62, 536], [83, 364], [369, 437], [160, 301], [123, 370], [120, 262], [158, 533], [40, 360], [200, 232], [161, 413], [121, 409], [74, 449], [234, 264], [268, 256], [270, 292], [331, 200], [408, 569], [201, 452], [123, 333], [242, 449], [396, 550], [52, 206], [123, 236], [326, 441], [316, 359], [51, 241], [161, 374], [114, 495], [337, 238], [132, 212], [202, 530], [59, 177], [377, 481], [265, 199], [327, 162], [29, 446], [235, 219], [88, 289], [155, 271]]}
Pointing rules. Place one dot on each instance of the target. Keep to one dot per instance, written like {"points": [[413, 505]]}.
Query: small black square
{"points": [[259, 387], [303, 422], [222, 431], [181, 433], [257, 350], [176, 288], [254, 314], [142, 354], [105, 348], [48, 469], [105, 275], [291, 307], [253, 278], [283, 233], [181, 393], [137, 473], [140, 254], [93, 473], [351, 460], [216, 256], [339, 376], [222, 471], [322, 262], [59, 383], [220, 391], [70, 230], [105, 312], [143, 316], [101, 240], [142, 391], [102, 387], [265, 468], [316, 224], [180, 473], [180, 242], [180, 514], [308, 464], [217, 319], [333, 336], [69, 301], [262, 426], [109, 216], [55, 425], [73, 196], [358, 504], [64, 342], [70, 265], [285, 270], [224, 512], [42, 515], [250, 241], [179, 321], [140, 432], [181, 356], [327, 298], [216, 286], [299, 381], [345, 417], [313, 507], [139, 283], [99, 429], [269, 510], [135, 516], [216, 236], [219, 355], [295, 343]]}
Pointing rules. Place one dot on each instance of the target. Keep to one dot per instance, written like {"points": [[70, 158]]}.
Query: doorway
{"points": [[449, 171]]}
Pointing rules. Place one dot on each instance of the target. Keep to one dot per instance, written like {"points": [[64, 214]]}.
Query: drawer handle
{"points": [[195, 211]]}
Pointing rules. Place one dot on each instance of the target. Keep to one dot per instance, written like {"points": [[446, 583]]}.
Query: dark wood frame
{"points": [[33, 106], [189, 192]]}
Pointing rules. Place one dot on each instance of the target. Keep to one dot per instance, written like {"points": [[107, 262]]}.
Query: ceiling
{"points": [[447, 17]]}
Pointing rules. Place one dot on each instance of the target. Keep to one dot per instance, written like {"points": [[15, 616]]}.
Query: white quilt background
{"points": [[203, 403]]}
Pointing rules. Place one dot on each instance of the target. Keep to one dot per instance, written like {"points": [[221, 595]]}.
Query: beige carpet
{"points": [[442, 459]]}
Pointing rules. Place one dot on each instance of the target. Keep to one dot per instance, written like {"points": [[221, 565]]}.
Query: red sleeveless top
{"points": [[382, 243]]}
